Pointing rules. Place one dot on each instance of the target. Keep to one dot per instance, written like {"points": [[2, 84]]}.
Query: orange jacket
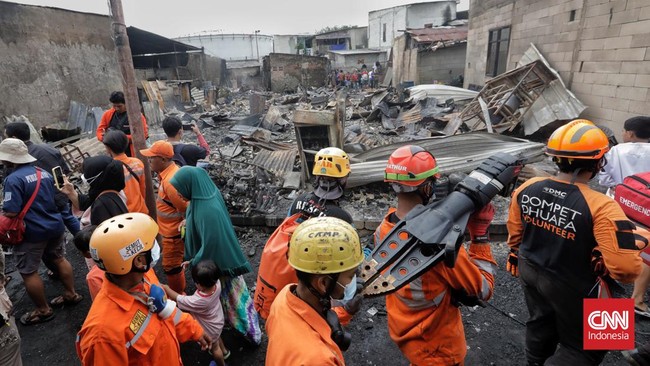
{"points": [[95, 279], [105, 123], [556, 225], [171, 207], [298, 335], [119, 330], [275, 272], [422, 321], [134, 188]]}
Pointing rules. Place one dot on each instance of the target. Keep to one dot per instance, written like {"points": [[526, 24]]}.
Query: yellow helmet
{"points": [[578, 139], [118, 240], [331, 162], [325, 245]]}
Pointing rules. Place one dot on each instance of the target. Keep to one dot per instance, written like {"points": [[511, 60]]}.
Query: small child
{"points": [[205, 305], [95, 276]]}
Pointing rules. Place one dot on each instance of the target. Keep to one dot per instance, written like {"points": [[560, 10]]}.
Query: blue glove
{"points": [[158, 302]]}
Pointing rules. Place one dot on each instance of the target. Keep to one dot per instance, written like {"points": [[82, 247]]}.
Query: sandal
{"points": [[61, 300], [644, 313], [34, 317]]}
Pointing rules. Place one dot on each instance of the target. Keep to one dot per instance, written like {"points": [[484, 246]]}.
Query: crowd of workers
{"points": [[358, 78], [565, 240]]}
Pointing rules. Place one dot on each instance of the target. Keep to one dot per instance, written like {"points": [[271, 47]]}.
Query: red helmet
{"points": [[410, 165]]}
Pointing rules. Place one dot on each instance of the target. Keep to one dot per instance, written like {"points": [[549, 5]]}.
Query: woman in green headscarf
{"points": [[209, 234]]}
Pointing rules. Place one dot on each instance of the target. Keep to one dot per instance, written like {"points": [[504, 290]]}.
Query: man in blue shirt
{"points": [[44, 231]]}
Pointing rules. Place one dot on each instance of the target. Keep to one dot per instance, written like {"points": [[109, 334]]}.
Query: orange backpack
{"points": [[275, 272]]}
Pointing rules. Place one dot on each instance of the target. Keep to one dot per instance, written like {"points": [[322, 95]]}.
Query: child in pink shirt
{"points": [[205, 305]]}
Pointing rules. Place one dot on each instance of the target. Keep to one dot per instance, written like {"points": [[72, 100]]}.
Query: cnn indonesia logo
{"points": [[608, 324]]}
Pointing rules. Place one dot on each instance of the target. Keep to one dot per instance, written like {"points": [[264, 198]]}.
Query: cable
{"points": [[506, 314]]}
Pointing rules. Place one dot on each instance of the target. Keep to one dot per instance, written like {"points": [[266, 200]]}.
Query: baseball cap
{"points": [[159, 148], [15, 151]]}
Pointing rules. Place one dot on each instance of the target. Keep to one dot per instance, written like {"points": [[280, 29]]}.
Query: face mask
{"points": [[155, 253], [91, 179], [349, 290]]}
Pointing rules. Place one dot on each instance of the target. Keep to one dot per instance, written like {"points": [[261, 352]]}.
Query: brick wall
{"points": [[603, 55], [288, 71]]}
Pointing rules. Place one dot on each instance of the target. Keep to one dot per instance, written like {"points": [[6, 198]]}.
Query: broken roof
{"points": [[438, 34]]}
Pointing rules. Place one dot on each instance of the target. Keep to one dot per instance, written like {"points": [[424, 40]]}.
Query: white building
{"points": [[385, 25], [232, 47]]}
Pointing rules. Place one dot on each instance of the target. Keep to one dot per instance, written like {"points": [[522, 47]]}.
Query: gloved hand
{"points": [[598, 264], [353, 306], [479, 223], [461, 297], [159, 303], [512, 264]]}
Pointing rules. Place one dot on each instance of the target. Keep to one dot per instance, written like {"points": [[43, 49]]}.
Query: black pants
{"points": [[555, 319]]}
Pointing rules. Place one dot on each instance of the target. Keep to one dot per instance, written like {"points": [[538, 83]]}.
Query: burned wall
{"points": [[442, 65], [285, 72], [600, 48], [49, 57]]}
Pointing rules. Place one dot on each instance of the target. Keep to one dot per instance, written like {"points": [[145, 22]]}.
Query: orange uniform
{"points": [[105, 123], [275, 272], [95, 279], [134, 188], [171, 211], [298, 335], [422, 320], [120, 330]]}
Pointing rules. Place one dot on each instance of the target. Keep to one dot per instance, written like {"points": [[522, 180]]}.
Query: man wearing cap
{"points": [[171, 212], [44, 232]]}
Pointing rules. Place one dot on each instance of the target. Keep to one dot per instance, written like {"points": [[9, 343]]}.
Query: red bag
{"points": [[633, 195], [12, 229], [275, 272]]}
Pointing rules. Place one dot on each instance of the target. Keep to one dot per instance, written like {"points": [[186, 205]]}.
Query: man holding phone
{"points": [[47, 158], [185, 154]]}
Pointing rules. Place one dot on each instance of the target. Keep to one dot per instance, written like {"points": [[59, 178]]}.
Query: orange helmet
{"points": [[578, 139], [410, 165]]}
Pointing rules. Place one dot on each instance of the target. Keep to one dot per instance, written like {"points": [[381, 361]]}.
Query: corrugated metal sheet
{"points": [[457, 153], [85, 117], [439, 91], [438, 34], [555, 103], [278, 162]]}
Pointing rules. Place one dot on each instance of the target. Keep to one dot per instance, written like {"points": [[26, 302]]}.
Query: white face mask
{"points": [[349, 290], [155, 253]]}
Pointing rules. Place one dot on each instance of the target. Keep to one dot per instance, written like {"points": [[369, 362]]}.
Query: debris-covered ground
{"points": [[256, 164]]}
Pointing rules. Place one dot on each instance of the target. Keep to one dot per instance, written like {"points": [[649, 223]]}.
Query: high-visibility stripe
{"points": [[177, 316], [421, 302], [140, 331], [169, 215], [485, 289], [486, 266]]}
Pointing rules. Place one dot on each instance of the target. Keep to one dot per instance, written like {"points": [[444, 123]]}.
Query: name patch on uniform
{"points": [[132, 249], [137, 321]]}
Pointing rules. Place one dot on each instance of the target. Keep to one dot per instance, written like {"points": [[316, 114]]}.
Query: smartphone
{"points": [[57, 173], [187, 126]]}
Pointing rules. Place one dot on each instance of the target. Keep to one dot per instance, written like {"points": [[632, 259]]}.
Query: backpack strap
{"points": [[132, 172], [33, 197]]}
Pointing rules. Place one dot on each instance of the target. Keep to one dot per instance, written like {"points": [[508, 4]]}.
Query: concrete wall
{"points": [[285, 44], [603, 55], [406, 16], [49, 57], [232, 46], [359, 38], [285, 72], [442, 65], [351, 62]]}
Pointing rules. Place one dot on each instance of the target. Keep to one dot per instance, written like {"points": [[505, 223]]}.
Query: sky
{"points": [[173, 18]]}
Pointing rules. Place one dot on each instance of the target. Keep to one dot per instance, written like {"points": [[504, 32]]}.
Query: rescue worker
{"points": [[331, 169], [560, 232], [117, 118], [171, 212], [325, 252], [422, 311], [116, 144], [130, 321]]}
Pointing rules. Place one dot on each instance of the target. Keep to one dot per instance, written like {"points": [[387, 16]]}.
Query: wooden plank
{"points": [[486, 114]]}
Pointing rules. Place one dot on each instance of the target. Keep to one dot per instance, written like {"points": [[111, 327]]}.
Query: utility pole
{"points": [[256, 45], [125, 60]]}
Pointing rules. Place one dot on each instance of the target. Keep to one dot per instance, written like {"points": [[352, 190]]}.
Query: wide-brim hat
{"points": [[15, 151]]}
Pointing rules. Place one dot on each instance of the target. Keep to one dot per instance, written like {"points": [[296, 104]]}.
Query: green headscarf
{"points": [[209, 233]]}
